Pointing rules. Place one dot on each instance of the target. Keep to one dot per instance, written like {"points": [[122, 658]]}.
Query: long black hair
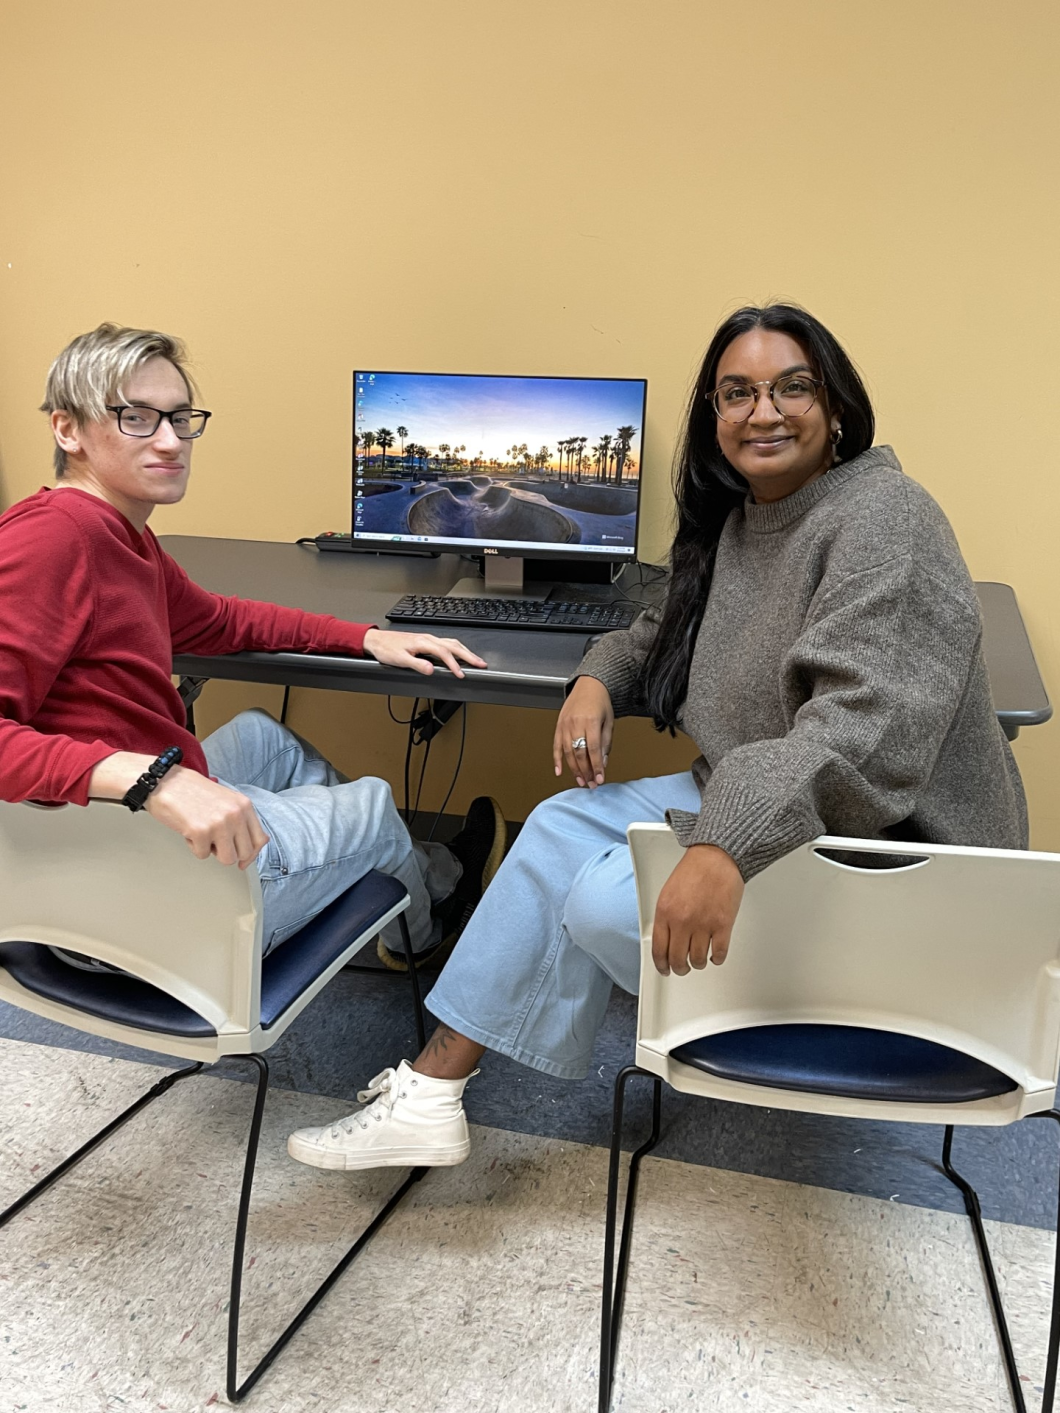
{"points": [[707, 488]]}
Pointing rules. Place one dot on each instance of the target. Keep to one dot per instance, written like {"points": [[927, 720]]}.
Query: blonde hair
{"points": [[91, 371]]}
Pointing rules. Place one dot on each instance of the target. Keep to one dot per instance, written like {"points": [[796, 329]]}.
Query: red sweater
{"points": [[91, 613]]}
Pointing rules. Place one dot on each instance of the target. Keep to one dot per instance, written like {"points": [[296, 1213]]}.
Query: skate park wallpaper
{"points": [[487, 458]]}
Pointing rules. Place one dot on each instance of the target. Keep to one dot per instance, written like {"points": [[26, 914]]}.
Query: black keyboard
{"points": [[444, 611]]}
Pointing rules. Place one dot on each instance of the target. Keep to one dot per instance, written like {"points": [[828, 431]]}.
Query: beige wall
{"points": [[544, 186]]}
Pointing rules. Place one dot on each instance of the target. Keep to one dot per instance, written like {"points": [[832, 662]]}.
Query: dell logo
{"points": [[487, 550]]}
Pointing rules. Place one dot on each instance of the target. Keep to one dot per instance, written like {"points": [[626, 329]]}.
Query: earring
{"points": [[837, 436]]}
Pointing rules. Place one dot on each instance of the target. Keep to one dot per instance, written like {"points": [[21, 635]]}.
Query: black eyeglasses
{"points": [[792, 395], [187, 422]]}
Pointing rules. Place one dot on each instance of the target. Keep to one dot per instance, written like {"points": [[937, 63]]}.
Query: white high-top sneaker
{"points": [[410, 1120]]}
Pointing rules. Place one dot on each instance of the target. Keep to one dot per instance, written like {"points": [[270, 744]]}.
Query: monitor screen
{"points": [[527, 467]]}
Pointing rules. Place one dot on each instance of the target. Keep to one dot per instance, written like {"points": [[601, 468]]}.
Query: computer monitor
{"points": [[510, 468]]}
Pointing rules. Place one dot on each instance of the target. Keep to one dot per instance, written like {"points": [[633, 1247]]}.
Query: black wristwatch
{"points": [[136, 796]]}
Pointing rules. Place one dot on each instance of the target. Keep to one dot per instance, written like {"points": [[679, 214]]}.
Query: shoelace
{"points": [[385, 1093]]}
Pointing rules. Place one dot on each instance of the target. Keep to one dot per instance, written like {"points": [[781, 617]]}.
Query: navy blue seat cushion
{"points": [[845, 1060], [108, 995], [285, 973]]}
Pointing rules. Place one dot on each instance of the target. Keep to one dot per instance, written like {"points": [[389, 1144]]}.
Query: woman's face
{"points": [[776, 454]]}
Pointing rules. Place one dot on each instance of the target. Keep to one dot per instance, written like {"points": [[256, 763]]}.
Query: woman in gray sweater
{"points": [[820, 642]]}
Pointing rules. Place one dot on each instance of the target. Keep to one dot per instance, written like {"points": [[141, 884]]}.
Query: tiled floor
{"points": [[482, 1291]]}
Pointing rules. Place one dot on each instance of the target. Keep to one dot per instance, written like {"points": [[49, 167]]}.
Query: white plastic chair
{"points": [[923, 992], [119, 887]]}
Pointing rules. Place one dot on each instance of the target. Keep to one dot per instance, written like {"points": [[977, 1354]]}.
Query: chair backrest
{"points": [[959, 946], [121, 887]]}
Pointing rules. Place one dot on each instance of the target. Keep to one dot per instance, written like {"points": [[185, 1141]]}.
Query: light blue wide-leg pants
{"points": [[532, 973], [325, 832]]}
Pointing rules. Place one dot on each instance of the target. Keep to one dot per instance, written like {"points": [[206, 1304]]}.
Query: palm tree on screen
{"points": [[403, 433], [384, 438], [580, 443], [623, 445], [605, 451], [367, 442]]}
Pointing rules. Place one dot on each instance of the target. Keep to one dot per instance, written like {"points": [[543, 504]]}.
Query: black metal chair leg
{"points": [[414, 977], [417, 994], [237, 1392], [155, 1092], [1049, 1387], [971, 1206], [614, 1286]]}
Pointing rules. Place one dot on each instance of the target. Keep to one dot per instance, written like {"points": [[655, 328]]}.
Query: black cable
{"points": [[419, 786], [657, 572], [401, 720], [286, 704], [408, 759], [456, 772], [306, 540]]}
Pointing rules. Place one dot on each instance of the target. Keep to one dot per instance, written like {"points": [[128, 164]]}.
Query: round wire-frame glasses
{"points": [[792, 394], [187, 422]]}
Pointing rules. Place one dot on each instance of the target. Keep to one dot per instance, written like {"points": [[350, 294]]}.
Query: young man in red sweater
{"points": [[92, 611]]}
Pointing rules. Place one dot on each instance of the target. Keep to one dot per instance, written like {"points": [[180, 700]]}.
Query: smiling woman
{"points": [[821, 644], [750, 429]]}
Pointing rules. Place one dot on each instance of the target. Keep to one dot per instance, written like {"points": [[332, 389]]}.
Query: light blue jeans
{"points": [[325, 832], [532, 973]]}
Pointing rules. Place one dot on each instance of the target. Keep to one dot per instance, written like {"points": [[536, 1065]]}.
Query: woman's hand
{"points": [[696, 910], [407, 649], [586, 716]]}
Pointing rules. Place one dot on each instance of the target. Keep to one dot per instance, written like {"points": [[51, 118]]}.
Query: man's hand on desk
{"points": [[411, 649]]}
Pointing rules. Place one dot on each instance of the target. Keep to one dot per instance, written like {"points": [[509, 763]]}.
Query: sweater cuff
{"points": [[617, 675], [742, 825], [348, 639]]}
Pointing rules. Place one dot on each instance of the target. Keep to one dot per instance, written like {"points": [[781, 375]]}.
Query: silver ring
{"points": [[578, 745]]}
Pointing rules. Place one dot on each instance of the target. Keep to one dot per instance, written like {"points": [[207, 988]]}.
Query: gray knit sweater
{"points": [[837, 684]]}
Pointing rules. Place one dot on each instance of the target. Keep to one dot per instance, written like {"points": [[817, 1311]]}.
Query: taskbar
{"points": [[494, 547]]}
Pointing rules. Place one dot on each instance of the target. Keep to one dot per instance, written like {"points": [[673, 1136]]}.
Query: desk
{"points": [[524, 669]]}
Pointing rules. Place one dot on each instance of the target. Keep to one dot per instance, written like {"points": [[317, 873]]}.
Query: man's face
{"points": [[133, 473]]}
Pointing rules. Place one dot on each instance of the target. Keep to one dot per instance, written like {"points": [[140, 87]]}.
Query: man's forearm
{"points": [[114, 775]]}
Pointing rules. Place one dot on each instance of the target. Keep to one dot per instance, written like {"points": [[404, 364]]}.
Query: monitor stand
{"points": [[502, 579]]}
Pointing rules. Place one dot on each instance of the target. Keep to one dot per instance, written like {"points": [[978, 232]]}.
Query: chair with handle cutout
{"points": [[118, 887], [864, 991]]}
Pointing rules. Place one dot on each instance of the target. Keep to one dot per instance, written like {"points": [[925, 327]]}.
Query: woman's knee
{"points": [[602, 902], [568, 812]]}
